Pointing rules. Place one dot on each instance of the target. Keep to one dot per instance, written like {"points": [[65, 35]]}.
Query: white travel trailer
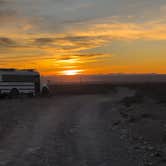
{"points": [[14, 82]]}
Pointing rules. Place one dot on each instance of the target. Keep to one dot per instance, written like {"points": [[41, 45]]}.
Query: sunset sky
{"points": [[83, 36]]}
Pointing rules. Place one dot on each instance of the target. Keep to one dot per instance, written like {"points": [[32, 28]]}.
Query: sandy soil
{"points": [[117, 129]]}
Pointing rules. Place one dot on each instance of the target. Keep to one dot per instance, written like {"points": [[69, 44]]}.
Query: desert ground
{"points": [[124, 127]]}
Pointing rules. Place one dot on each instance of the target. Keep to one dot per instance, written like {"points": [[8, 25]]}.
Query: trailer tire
{"points": [[14, 93]]}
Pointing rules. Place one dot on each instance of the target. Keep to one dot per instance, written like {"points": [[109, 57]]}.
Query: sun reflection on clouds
{"points": [[70, 72], [68, 60]]}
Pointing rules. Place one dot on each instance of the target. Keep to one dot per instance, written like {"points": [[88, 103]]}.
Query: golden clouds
{"points": [[152, 30], [73, 50], [81, 38]]}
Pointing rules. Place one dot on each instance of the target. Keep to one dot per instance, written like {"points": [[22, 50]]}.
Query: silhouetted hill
{"points": [[109, 78]]}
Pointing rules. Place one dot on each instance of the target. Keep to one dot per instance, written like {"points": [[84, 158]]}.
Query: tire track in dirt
{"points": [[70, 130]]}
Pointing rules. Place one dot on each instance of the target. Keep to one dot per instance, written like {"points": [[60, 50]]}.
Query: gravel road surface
{"points": [[65, 130]]}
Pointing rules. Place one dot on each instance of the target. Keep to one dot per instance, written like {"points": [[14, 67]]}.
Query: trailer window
{"points": [[19, 78]]}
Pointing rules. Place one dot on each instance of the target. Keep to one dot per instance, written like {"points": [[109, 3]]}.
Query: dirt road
{"points": [[62, 131]]}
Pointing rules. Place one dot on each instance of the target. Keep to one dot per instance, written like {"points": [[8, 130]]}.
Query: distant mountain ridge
{"points": [[108, 78]]}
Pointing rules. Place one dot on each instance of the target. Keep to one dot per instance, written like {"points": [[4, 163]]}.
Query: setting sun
{"points": [[71, 72]]}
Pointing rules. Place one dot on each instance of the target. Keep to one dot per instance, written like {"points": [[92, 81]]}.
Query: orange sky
{"points": [[83, 37]]}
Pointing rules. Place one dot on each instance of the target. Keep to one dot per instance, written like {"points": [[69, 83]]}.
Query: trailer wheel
{"points": [[14, 92]]}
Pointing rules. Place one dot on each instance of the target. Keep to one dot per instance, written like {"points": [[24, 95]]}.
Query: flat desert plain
{"points": [[120, 128]]}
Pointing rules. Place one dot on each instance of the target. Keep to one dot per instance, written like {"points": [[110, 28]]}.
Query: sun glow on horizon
{"points": [[71, 72]]}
